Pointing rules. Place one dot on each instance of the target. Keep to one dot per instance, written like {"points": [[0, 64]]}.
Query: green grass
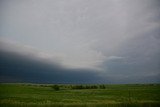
{"points": [[21, 95]]}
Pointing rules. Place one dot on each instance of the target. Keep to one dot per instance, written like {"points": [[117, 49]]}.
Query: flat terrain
{"points": [[45, 95]]}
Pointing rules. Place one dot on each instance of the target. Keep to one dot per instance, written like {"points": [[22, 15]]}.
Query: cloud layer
{"points": [[117, 39], [20, 67]]}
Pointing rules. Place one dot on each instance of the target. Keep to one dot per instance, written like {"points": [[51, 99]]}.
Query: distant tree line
{"points": [[84, 87], [57, 87]]}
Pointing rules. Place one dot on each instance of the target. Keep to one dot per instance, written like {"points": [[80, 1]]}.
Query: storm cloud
{"points": [[108, 41], [18, 67]]}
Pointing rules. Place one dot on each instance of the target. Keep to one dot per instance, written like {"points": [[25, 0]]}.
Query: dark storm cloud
{"points": [[16, 67]]}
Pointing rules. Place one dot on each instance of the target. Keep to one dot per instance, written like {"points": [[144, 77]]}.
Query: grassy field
{"points": [[41, 95]]}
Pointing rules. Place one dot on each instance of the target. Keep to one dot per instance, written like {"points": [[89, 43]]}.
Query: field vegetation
{"points": [[60, 95]]}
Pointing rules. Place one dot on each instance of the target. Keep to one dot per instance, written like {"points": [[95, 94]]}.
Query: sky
{"points": [[80, 41]]}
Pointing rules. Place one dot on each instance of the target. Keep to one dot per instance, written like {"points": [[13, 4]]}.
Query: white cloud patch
{"points": [[114, 58]]}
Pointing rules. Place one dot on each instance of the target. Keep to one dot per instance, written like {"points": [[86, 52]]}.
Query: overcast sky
{"points": [[119, 39]]}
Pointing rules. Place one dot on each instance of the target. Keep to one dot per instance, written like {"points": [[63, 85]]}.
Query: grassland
{"points": [[43, 95]]}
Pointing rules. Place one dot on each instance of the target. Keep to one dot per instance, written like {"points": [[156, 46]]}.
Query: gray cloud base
{"points": [[19, 68]]}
